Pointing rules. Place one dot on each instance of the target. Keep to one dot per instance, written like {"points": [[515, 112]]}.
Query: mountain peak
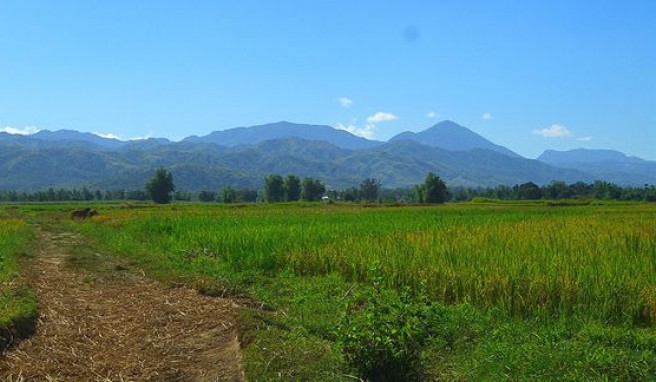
{"points": [[284, 129], [447, 123], [453, 137]]}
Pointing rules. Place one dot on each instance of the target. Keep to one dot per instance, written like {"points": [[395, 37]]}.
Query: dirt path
{"points": [[120, 328]]}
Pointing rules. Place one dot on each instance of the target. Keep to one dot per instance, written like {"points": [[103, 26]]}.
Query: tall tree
{"points": [[229, 195], [292, 188], [160, 187], [529, 191], [312, 190], [433, 191], [274, 190], [350, 194], [369, 190]]}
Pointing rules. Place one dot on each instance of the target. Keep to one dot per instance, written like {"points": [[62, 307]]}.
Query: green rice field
{"points": [[17, 302], [513, 291], [523, 260], [339, 292]]}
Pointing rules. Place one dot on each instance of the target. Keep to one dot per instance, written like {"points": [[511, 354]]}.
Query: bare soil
{"points": [[120, 328]]}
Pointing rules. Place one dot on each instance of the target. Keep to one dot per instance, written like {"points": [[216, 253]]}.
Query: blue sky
{"points": [[529, 75]]}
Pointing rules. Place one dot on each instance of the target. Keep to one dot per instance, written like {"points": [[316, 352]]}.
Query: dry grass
{"points": [[121, 328]]}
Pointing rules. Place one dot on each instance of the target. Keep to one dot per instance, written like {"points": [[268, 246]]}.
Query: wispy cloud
{"points": [[345, 102], [367, 131], [108, 136], [487, 116], [115, 136], [24, 131], [432, 114], [142, 137], [381, 117], [585, 139], [553, 131]]}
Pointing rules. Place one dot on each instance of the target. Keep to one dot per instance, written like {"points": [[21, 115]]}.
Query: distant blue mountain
{"points": [[609, 165], [586, 156], [450, 136], [280, 130], [72, 135], [242, 157], [145, 143]]}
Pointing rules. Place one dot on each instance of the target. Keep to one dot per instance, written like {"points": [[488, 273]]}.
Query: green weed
{"points": [[17, 301]]}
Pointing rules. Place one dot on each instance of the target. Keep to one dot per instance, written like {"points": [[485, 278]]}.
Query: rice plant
{"points": [[16, 300], [530, 260]]}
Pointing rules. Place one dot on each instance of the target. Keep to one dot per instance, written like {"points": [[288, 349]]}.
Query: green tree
{"points": [[312, 190], [159, 188], [420, 193], [350, 194], [228, 195], [529, 191], [274, 188], [556, 190], [369, 190], [86, 194], [292, 188], [182, 195], [207, 196], [434, 190], [246, 195]]}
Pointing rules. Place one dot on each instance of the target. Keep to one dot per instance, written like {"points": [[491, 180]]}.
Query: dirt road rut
{"points": [[121, 328]]}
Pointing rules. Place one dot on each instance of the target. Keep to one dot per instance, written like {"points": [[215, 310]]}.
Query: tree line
{"points": [[276, 188], [292, 188], [559, 190]]}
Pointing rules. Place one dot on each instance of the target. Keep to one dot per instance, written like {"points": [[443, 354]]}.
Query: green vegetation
{"points": [[493, 291], [161, 186], [556, 190], [369, 190], [274, 188], [228, 195], [292, 188], [384, 340], [17, 302], [432, 191], [312, 190]]}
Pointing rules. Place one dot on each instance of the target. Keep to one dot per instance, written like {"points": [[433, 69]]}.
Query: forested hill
{"points": [[338, 158]]}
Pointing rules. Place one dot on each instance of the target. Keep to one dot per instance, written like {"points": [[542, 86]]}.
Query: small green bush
{"points": [[383, 335]]}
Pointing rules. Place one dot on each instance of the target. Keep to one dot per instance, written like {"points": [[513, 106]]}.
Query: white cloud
{"points": [[33, 129], [487, 116], [24, 131], [553, 131], [114, 136], [381, 117], [108, 136], [345, 102], [367, 131], [585, 139], [431, 114], [148, 136]]}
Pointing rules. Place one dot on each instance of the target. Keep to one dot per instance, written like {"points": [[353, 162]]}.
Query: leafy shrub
{"points": [[382, 336]]}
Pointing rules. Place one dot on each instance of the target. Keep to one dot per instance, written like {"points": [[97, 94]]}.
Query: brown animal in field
{"points": [[83, 213]]}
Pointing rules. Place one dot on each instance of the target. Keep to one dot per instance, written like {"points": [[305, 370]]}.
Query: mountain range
{"points": [[242, 157]]}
